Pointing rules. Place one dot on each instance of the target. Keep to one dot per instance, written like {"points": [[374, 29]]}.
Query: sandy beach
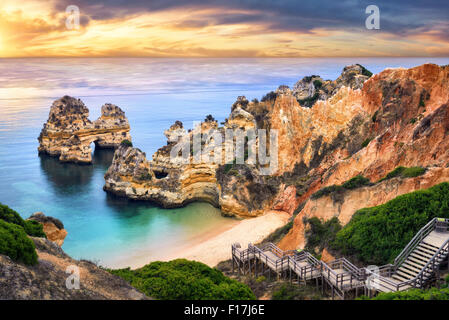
{"points": [[217, 247]]}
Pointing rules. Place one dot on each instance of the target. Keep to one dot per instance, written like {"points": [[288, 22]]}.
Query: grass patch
{"points": [[377, 235], [184, 280]]}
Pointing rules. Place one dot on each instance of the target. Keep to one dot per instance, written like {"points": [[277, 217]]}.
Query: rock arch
{"points": [[68, 132]]}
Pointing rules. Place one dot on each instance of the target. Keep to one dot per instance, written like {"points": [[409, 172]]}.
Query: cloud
{"points": [[224, 28]]}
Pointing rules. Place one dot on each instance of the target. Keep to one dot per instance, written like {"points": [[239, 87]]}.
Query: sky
{"points": [[222, 28]]}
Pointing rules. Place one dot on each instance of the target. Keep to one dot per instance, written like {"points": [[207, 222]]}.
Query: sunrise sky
{"points": [[223, 28]]}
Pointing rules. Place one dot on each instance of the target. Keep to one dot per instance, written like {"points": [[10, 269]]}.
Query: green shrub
{"points": [[15, 244], [404, 172], [365, 71], [184, 280], [287, 291], [413, 294], [320, 234], [310, 101], [317, 84], [32, 228], [356, 182], [353, 183], [377, 235], [269, 96], [413, 120], [366, 143], [326, 191], [126, 143], [374, 117]]}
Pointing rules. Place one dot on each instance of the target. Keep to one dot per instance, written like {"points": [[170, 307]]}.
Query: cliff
{"points": [[47, 279], [408, 126], [357, 124], [68, 132]]}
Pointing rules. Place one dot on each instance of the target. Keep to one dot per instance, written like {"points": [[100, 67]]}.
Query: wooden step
{"points": [[425, 249], [424, 254], [410, 267], [415, 264]]}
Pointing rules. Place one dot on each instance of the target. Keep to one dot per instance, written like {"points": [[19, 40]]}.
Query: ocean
{"points": [[154, 93]]}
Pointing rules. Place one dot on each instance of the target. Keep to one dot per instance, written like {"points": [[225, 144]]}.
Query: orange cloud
{"points": [[37, 30]]}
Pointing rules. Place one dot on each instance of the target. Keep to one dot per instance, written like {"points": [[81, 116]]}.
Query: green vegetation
{"points": [[184, 280], [320, 234], [422, 104], [413, 120], [317, 84], [354, 183], [412, 294], [365, 71], [287, 291], [310, 101], [327, 191], [377, 235], [366, 143], [374, 117], [32, 228], [404, 172], [15, 244], [126, 143], [269, 96]]}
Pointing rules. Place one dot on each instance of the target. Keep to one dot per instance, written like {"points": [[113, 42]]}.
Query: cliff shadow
{"points": [[74, 178]]}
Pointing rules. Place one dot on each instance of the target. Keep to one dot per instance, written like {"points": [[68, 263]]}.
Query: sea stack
{"points": [[68, 132]]}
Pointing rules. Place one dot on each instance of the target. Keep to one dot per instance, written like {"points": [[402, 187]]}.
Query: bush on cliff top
{"points": [[15, 244], [184, 280], [126, 143], [32, 228], [377, 235]]}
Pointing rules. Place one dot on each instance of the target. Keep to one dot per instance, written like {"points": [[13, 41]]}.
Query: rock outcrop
{"points": [[360, 125], [408, 126], [47, 279], [53, 228], [68, 132]]}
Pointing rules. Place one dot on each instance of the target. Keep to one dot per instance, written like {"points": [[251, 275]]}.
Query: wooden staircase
{"points": [[414, 267]]}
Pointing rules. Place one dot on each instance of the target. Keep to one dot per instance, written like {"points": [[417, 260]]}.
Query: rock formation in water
{"points": [[357, 125], [68, 132], [53, 228], [47, 279]]}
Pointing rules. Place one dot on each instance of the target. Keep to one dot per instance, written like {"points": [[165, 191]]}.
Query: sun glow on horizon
{"points": [[36, 29]]}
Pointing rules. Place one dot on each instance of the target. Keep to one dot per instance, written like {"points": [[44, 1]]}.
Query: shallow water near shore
{"points": [[154, 93]]}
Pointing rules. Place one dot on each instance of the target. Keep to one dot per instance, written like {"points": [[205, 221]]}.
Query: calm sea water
{"points": [[154, 93]]}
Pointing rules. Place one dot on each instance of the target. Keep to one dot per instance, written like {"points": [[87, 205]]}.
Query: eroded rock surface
{"points": [[47, 279], [68, 132], [362, 125]]}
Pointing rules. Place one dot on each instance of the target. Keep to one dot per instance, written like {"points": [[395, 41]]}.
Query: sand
{"points": [[217, 247]]}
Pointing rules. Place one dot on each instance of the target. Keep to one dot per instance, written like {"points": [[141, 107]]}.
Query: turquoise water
{"points": [[154, 93]]}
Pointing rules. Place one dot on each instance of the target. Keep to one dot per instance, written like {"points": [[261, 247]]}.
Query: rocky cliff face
{"points": [[68, 132], [408, 126], [47, 279], [357, 125]]}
